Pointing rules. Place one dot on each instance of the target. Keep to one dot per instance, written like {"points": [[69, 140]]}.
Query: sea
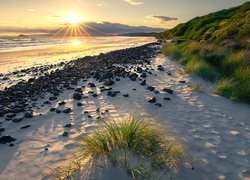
{"points": [[23, 51]]}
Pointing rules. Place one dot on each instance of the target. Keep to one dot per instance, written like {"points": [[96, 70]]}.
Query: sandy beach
{"points": [[214, 130]]}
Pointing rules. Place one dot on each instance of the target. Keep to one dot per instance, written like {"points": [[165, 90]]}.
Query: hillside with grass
{"points": [[227, 27], [216, 47]]}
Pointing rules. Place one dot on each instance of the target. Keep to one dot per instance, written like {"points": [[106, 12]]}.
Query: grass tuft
{"points": [[137, 145]]}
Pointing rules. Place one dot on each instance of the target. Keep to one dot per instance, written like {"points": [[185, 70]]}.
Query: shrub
{"points": [[201, 68], [120, 142]]}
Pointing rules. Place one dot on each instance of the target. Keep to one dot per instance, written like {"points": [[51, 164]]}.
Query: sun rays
{"points": [[74, 28]]}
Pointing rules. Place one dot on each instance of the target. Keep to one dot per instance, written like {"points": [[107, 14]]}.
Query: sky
{"points": [[153, 13]]}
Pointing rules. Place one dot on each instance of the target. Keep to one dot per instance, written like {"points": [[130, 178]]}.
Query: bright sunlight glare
{"points": [[76, 42], [72, 19]]}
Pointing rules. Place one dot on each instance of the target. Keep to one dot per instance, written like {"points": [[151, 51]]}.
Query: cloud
{"points": [[134, 2], [92, 28], [162, 18]]}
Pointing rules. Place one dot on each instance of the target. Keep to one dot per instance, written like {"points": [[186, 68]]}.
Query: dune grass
{"points": [[140, 147], [228, 68]]}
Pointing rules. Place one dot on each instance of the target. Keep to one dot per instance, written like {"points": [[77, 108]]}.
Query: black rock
{"points": [[167, 99], [134, 89], [68, 125], [126, 95], [28, 115], [157, 92], [111, 94], [109, 82], [118, 79], [133, 76], [11, 145], [2, 129], [24, 127], [170, 91], [6, 139], [52, 98], [79, 104], [61, 103], [150, 88], [58, 111], [16, 120], [77, 96], [67, 111], [182, 81], [143, 83], [158, 104], [143, 75], [89, 116], [65, 134], [52, 109], [152, 100], [11, 115], [94, 95], [86, 112], [92, 85]]}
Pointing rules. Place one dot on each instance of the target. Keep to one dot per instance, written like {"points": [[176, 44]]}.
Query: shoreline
{"points": [[210, 126]]}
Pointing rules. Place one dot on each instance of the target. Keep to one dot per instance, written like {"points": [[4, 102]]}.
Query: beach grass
{"points": [[139, 146], [228, 68]]}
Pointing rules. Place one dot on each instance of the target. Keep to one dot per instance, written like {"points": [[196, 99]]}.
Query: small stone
{"points": [[52, 98], [158, 104], [6, 139], [150, 88], [125, 95], [152, 100], [143, 83], [16, 120], [79, 104], [92, 85], [77, 96], [65, 134], [67, 111], [170, 91], [167, 98], [24, 127], [182, 81], [2, 129], [109, 82], [58, 111], [28, 115], [68, 125], [94, 95], [61, 103], [11, 145], [52, 109]]}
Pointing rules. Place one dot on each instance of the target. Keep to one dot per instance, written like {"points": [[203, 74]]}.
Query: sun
{"points": [[72, 19]]}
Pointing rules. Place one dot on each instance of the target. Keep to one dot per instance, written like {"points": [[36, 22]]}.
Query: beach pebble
{"points": [[2, 129], [24, 127], [65, 134], [67, 111], [68, 125], [152, 100], [6, 139], [170, 91], [143, 83], [77, 96]]}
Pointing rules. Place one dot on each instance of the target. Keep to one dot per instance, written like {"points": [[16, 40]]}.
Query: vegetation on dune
{"points": [[229, 69], [230, 27], [216, 47], [138, 146]]}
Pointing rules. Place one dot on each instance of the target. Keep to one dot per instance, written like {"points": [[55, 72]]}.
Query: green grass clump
{"points": [[228, 68], [139, 146], [201, 68]]}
